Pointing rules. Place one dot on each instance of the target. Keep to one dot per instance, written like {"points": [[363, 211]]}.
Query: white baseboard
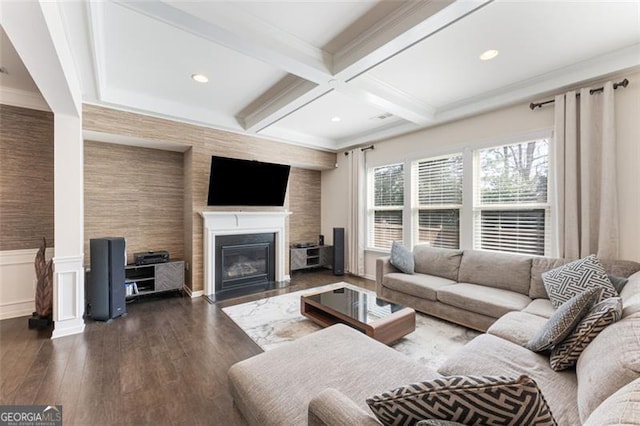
{"points": [[193, 294], [16, 309]]}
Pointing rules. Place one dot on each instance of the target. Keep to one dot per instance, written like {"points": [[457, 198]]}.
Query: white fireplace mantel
{"points": [[240, 222]]}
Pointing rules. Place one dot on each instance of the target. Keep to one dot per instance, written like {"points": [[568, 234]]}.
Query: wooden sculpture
{"points": [[44, 289]]}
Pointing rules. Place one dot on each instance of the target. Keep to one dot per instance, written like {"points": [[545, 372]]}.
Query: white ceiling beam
{"points": [[249, 35], [272, 107], [406, 26], [36, 30], [388, 98], [409, 24], [318, 72], [401, 29]]}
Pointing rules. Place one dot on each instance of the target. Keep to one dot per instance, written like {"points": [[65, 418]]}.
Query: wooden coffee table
{"points": [[384, 321]]}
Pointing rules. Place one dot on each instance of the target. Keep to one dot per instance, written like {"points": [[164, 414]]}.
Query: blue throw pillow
{"points": [[402, 258], [618, 282]]}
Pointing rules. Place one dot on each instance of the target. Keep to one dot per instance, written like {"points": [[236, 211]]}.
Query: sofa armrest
{"points": [[332, 408], [383, 267]]}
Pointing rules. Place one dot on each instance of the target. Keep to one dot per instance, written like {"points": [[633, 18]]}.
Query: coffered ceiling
{"points": [[333, 74]]}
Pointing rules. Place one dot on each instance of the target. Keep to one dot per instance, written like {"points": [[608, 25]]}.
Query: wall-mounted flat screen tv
{"points": [[234, 182]]}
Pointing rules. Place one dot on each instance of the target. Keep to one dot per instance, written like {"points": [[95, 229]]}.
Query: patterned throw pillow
{"points": [[564, 320], [573, 278], [402, 258], [470, 400], [566, 354]]}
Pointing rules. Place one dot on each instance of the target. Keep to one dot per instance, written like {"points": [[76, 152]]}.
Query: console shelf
{"points": [[155, 278], [311, 257]]}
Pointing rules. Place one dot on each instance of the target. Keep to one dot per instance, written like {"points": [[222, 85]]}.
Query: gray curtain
{"points": [[355, 221], [586, 194]]}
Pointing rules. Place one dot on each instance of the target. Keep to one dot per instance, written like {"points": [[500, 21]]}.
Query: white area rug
{"points": [[277, 320]]}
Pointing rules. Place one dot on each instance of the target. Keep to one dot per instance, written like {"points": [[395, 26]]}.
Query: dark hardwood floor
{"points": [[164, 363]]}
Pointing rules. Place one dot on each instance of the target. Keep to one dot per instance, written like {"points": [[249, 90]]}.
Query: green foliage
{"points": [[515, 173]]}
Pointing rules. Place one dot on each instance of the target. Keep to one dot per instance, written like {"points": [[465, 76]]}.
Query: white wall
{"points": [[16, 269], [497, 126]]}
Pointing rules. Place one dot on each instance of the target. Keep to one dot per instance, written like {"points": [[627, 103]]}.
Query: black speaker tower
{"points": [[106, 294], [338, 251]]}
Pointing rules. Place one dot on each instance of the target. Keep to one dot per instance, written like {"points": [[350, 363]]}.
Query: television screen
{"points": [[234, 182]]}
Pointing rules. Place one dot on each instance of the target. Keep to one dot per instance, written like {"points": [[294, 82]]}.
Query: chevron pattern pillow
{"points": [[566, 354], [573, 278], [564, 320], [470, 400]]}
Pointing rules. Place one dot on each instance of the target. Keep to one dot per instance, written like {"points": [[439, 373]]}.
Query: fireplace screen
{"points": [[244, 261], [239, 262]]}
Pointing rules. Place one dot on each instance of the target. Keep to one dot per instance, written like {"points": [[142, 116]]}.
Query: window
{"points": [[439, 200], [511, 211], [387, 206]]}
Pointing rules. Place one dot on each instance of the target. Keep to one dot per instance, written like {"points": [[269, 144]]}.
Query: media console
{"points": [[311, 257], [154, 278]]}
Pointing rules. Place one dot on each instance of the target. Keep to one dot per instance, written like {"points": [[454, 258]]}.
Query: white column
{"points": [[36, 30], [68, 269]]}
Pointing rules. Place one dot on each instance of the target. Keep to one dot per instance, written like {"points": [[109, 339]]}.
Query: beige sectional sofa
{"points": [[473, 287], [324, 378]]}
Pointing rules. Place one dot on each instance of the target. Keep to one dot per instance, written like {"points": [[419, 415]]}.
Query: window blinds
{"points": [[512, 210], [388, 204], [439, 187]]}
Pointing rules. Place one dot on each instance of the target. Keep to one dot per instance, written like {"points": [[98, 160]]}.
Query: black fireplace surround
{"points": [[244, 264]]}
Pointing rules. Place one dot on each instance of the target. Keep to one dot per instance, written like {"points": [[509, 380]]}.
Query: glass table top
{"points": [[362, 306]]}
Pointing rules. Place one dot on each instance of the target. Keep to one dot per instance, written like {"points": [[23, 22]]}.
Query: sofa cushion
{"points": [[438, 423], [568, 280], [437, 261], [564, 320], [419, 285], [621, 408], [517, 327], [465, 399], [402, 258], [541, 307], [331, 407], [630, 295], [274, 388], [490, 301], [539, 265], [491, 355], [609, 362], [499, 270]]}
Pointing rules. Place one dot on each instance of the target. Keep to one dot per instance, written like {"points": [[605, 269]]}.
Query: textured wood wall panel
{"points": [[205, 142], [188, 216], [304, 203], [26, 178], [136, 193]]}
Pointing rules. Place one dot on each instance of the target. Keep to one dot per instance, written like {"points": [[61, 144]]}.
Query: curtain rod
{"points": [[623, 83], [366, 148]]}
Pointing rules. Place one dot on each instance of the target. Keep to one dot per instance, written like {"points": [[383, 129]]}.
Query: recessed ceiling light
{"points": [[200, 78], [336, 119], [489, 54]]}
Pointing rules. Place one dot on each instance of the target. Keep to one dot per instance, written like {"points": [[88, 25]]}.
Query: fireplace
{"points": [[243, 256], [244, 262]]}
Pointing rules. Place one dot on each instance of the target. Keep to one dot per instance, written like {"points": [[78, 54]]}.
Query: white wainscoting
{"points": [[68, 294], [18, 282]]}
